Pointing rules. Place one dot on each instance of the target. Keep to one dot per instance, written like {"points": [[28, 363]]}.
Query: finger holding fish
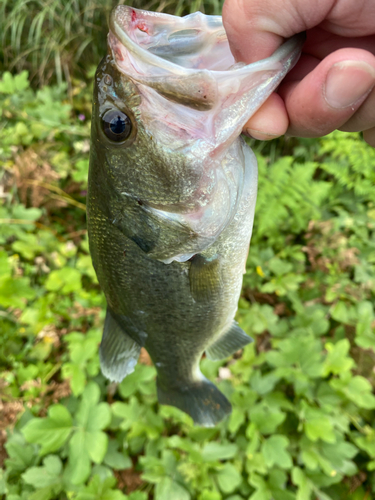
{"points": [[331, 86]]}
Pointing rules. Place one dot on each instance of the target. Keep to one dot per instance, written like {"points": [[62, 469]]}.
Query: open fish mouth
{"points": [[188, 61], [195, 41]]}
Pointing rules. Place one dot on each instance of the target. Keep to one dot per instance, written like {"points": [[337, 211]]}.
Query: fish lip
{"points": [[134, 48], [192, 80], [291, 47]]}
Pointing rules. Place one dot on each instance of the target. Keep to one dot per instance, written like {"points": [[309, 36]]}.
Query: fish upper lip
{"points": [[133, 47], [292, 46]]}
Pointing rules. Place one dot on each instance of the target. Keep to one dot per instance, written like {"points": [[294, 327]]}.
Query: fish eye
{"points": [[117, 126]]}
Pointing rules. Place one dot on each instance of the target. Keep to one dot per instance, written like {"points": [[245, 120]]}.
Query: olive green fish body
{"points": [[172, 190]]}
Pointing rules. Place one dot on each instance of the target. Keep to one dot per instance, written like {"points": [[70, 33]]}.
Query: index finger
{"points": [[255, 28]]}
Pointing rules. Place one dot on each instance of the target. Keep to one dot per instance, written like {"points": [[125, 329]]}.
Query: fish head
{"points": [[170, 102]]}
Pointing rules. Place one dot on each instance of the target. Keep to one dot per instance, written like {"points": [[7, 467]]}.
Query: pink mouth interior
{"points": [[196, 41]]}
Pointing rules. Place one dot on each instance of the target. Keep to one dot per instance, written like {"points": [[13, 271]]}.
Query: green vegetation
{"points": [[302, 426], [53, 39]]}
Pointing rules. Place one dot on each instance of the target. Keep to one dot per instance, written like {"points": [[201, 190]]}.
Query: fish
{"points": [[171, 197]]}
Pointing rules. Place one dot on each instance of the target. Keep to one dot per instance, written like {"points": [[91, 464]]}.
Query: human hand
{"points": [[332, 85]]}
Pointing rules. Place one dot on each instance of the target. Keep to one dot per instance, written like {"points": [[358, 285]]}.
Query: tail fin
{"points": [[202, 400]]}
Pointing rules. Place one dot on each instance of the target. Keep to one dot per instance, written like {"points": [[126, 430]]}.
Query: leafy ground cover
{"points": [[302, 426]]}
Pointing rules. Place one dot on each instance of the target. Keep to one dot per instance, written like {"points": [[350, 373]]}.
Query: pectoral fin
{"points": [[118, 351], [205, 277], [135, 224], [230, 342], [160, 234]]}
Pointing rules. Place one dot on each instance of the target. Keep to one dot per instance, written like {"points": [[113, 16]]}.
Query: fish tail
{"points": [[200, 399]]}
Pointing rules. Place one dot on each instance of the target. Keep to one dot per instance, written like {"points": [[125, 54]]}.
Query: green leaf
{"points": [[5, 269], [367, 442], [140, 380], [31, 214], [337, 360], [359, 390], [96, 445], [258, 318], [209, 495], [215, 451], [262, 490], [90, 415], [81, 170], [51, 432], [66, 280], [79, 466], [277, 478], [77, 377], [100, 418], [237, 418], [300, 351], [47, 493], [339, 455], [138, 495], [274, 450], [279, 267], [340, 312], [15, 291], [266, 417], [115, 459], [305, 486], [168, 489], [131, 412], [318, 426], [89, 442], [228, 478], [48, 475], [101, 490], [10, 84], [20, 454], [364, 328], [82, 349], [263, 384]]}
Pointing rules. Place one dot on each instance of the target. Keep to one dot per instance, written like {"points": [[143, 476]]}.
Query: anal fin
{"points": [[230, 342], [118, 352]]}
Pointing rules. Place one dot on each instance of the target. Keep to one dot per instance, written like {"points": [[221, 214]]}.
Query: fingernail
{"points": [[259, 135], [347, 82]]}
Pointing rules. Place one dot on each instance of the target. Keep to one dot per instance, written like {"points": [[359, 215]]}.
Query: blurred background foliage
{"points": [[56, 40], [302, 426]]}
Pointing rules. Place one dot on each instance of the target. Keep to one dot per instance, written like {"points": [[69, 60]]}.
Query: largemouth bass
{"points": [[172, 190]]}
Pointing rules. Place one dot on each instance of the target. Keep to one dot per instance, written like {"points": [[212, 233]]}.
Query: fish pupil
{"points": [[117, 126]]}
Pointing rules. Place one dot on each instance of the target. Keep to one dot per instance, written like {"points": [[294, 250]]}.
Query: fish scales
{"points": [[172, 191]]}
